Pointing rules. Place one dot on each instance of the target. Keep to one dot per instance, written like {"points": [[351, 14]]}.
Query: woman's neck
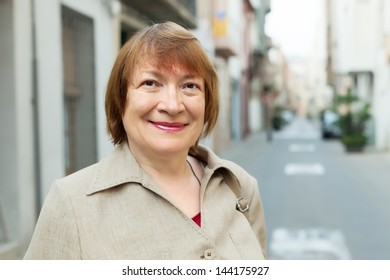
{"points": [[179, 176], [161, 165]]}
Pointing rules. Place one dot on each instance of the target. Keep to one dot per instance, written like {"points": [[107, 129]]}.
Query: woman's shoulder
{"points": [[78, 181], [82, 179], [115, 169]]}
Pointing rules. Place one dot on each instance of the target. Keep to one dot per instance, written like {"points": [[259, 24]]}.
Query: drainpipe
{"points": [[35, 103]]}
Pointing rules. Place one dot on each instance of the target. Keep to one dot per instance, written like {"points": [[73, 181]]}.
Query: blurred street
{"points": [[275, 59], [320, 202]]}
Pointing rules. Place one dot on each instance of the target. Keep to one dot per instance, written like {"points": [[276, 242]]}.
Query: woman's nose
{"points": [[171, 101]]}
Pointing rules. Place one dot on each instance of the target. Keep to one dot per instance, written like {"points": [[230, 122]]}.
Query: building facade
{"points": [[54, 65], [358, 58]]}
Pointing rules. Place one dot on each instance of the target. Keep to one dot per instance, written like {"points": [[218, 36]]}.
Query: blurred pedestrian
{"points": [[159, 194]]}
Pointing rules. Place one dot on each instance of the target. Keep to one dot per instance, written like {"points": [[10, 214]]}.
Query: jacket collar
{"points": [[117, 168], [214, 163], [121, 167]]}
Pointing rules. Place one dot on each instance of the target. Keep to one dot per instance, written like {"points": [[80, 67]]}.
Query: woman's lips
{"points": [[169, 127]]}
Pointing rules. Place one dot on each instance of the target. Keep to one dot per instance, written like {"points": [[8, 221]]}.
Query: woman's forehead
{"points": [[172, 67]]}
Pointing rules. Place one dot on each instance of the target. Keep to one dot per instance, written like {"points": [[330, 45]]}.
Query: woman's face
{"points": [[164, 110]]}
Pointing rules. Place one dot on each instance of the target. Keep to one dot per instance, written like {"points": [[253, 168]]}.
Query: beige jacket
{"points": [[114, 210]]}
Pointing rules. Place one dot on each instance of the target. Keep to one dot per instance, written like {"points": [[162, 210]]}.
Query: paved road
{"points": [[320, 202]]}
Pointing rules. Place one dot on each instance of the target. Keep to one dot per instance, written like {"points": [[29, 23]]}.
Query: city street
{"points": [[320, 202]]}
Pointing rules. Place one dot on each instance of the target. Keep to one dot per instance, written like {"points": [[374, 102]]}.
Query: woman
{"points": [[159, 195]]}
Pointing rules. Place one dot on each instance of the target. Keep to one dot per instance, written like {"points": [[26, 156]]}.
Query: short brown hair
{"points": [[163, 44]]}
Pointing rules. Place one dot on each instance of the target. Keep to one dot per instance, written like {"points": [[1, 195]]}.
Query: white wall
{"points": [[354, 33], [381, 100], [50, 88], [381, 107], [17, 162], [25, 135], [8, 160], [361, 48]]}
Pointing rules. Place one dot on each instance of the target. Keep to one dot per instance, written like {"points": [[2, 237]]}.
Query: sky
{"points": [[292, 25]]}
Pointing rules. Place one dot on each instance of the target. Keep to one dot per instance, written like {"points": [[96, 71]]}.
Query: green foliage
{"points": [[349, 98], [354, 140], [353, 123]]}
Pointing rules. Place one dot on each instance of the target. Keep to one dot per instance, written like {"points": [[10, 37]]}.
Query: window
{"points": [[79, 90]]}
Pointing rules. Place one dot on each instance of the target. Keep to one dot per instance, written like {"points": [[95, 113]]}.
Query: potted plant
{"points": [[352, 121]]}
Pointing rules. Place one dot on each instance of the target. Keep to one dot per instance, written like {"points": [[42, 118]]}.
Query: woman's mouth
{"points": [[168, 126]]}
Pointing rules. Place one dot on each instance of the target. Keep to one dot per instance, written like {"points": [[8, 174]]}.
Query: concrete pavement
{"points": [[351, 195]]}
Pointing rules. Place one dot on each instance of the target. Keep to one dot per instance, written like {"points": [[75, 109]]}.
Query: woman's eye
{"points": [[150, 83], [192, 86]]}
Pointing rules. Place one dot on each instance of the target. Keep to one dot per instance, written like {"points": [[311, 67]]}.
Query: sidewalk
{"points": [[248, 149]]}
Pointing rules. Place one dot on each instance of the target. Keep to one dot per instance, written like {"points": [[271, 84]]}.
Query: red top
{"points": [[197, 219]]}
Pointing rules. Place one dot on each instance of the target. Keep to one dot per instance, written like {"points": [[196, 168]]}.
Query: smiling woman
{"points": [[160, 101], [159, 195], [162, 51]]}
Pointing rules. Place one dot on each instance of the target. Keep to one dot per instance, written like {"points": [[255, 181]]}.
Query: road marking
{"points": [[309, 243], [295, 148], [304, 169], [297, 135]]}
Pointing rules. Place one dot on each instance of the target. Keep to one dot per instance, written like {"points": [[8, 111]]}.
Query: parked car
{"points": [[329, 125]]}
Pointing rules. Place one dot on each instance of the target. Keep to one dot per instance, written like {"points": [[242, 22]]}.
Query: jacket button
{"points": [[209, 254]]}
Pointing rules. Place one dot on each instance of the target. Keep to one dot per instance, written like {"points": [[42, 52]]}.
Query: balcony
{"points": [[182, 12]]}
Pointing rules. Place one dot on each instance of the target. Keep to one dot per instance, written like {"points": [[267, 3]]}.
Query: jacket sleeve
{"points": [[249, 189], [56, 234], [256, 216]]}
